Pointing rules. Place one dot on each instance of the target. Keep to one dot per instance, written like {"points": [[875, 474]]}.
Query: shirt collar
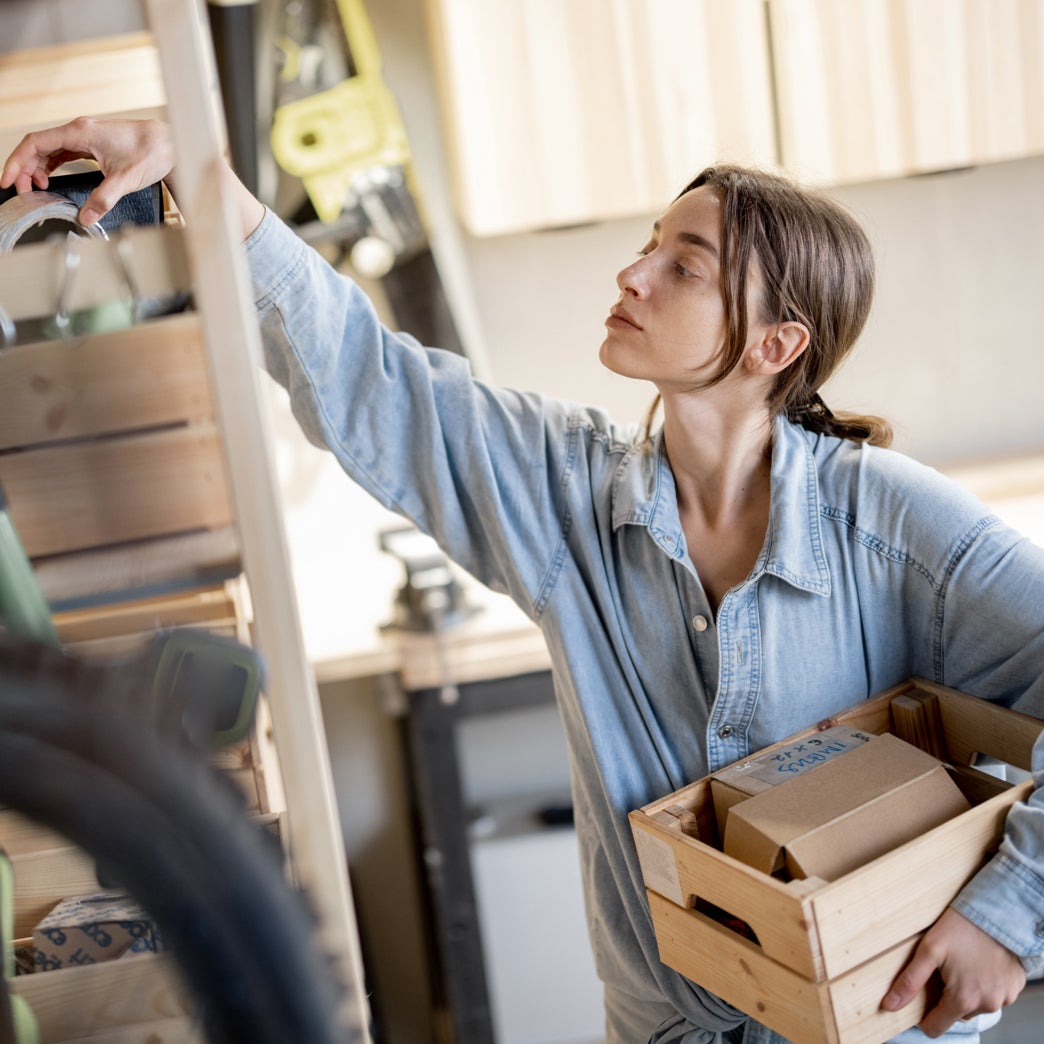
{"points": [[793, 549], [644, 495]]}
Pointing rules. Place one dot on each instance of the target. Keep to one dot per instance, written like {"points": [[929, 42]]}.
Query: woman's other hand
{"points": [[979, 975], [132, 154]]}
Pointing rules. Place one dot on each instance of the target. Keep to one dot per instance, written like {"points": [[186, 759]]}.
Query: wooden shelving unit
{"points": [[138, 462]]}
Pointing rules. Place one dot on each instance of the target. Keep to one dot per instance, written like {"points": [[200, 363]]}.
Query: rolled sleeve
{"points": [[1006, 898]]}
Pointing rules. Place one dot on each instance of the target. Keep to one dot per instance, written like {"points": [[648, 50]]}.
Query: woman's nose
{"points": [[633, 279]]}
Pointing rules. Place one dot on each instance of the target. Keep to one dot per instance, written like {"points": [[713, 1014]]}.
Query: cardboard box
{"points": [[847, 812], [823, 954], [92, 928], [757, 774]]}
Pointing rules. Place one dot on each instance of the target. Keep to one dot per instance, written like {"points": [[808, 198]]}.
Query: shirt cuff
{"points": [[1006, 900], [273, 252]]}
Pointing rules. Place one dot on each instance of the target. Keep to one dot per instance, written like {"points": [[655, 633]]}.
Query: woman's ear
{"points": [[782, 345]]}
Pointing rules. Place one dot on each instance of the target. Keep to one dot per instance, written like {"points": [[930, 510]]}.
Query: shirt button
{"points": [[725, 731], [1039, 926], [699, 623]]}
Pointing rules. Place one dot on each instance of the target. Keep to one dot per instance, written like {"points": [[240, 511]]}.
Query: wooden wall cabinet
{"points": [[878, 88], [559, 112]]}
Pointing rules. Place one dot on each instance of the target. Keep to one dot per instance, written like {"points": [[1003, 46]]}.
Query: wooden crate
{"points": [[111, 439], [826, 953]]}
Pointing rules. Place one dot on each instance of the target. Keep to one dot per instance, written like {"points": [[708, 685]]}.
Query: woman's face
{"points": [[668, 325]]}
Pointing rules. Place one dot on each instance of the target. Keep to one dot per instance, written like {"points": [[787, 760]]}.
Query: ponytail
{"points": [[817, 417]]}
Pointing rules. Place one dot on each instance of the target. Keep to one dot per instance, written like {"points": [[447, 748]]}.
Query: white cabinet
{"points": [[540, 971]]}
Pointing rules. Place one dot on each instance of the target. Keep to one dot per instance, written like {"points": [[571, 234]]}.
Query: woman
{"points": [[754, 565]]}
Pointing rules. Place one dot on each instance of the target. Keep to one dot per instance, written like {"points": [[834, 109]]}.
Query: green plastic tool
{"points": [[23, 608], [22, 1020]]}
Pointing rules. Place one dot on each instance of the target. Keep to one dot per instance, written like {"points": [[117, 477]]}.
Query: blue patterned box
{"points": [[88, 929]]}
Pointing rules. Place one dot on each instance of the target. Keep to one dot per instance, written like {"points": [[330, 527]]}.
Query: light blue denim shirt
{"points": [[874, 569]]}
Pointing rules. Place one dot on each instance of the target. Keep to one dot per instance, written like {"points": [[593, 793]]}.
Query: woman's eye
{"points": [[683, 271]]}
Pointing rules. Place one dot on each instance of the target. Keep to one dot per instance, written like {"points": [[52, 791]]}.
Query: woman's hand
{"points": [[132, 154], [979, 975]]}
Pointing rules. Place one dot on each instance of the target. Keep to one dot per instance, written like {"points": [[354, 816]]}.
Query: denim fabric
{"points": [[143, 207], [874, 569]]}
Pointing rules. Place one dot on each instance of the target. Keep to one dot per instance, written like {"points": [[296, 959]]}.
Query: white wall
{"points": [[950, 354]]}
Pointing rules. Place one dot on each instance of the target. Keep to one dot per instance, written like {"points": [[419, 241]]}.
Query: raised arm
{"points": [[132, 154]]}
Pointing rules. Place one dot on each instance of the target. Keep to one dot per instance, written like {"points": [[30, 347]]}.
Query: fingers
{"points": [[938, 1018], [103, 199], [911, 980], [130, 153], [39, 153], [22, 173], [978, 974]]}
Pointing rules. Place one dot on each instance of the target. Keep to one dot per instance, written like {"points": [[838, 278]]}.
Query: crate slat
{"points": [[186, 561], [804, 1012], [91, 494], [31, 276], [906, 890], [729, 966], [143, 377], [44, 877], [207, 606], [19, 834], [47, 85], [972, 726], [84, 1002], [184, 1030]]}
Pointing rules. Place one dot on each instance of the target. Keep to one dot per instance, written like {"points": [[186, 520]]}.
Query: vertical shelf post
{"points": [[223, 297]]}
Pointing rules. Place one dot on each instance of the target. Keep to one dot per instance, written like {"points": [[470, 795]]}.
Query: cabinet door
{"points": [[877, 88], [567, 111]]}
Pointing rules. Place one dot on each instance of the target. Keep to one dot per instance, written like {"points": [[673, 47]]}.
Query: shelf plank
{"points": [[44, 877], [108, 76]]}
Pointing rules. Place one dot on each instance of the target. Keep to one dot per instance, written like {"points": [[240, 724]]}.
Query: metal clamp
{"points": [[71, 263], [7, 328]]}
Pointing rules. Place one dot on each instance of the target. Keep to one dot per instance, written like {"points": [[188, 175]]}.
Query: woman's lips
{"points": [[620, 317]]}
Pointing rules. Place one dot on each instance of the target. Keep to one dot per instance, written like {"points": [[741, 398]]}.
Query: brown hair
{"points": [[817, 268]]}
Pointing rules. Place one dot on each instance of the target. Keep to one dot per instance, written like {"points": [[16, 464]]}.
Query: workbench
{"points": [[496, 662]]}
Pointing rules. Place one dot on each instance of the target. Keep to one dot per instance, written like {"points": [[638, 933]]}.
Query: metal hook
{"points": [[71, 262], [7, 328], [124, 262]]}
